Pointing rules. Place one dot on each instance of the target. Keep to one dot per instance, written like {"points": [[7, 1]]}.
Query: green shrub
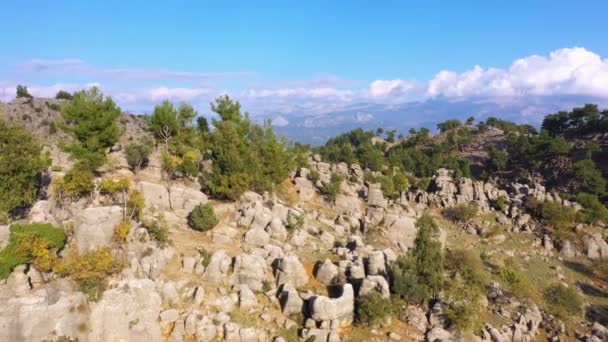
{"points": [[294, 221], [462, 212], [418, 275], [562, 218], [373, 309], [516, 283], [90, 271], [22, 92], [63, 95], [77, 183], [594, 211], [563, 301], [314, 176], [36, 243], [465, 308], [22, 163], [92, 120], [138, 152], [501, 203], [589, 177], [202, 217], [330, 190], [158, 230]]}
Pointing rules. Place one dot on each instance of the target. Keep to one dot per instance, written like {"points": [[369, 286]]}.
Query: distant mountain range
{"points": [[315, 127]]}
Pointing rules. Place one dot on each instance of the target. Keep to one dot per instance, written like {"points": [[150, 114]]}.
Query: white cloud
{"points": [[384, 88], [569, 71], [280, 121]]}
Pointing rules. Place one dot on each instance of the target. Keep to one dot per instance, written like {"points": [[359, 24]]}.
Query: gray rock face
{"points": [[375, 197], [291, 302], [95, 227], [217, 270], [42, 211], [375, 284], [323, 308], [376, 263], [305, 188], [256, 237], [40, 316], [438, 334], [185, 199], [327, 272], [597, 248], [402, 232], [290, 270], [567, 251], [156, 195], [128, 312], [250, 270]]}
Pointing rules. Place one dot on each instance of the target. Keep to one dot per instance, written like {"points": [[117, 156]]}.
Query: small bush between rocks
{"points": [[77, 183], [500, 203], [462, 212], [563, 301], [331, 189], [202, 217], [121, 231], [294, 221], [35, 243], [158, 230], [373, 309], [90, 271]]}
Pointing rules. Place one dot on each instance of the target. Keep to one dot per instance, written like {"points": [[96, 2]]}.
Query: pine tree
{"points": [[418, 275]]}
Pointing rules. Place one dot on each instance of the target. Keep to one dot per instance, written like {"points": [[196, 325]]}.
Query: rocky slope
{"points": [[260, 276]]}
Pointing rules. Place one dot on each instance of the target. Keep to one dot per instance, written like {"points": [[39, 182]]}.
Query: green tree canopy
{"points": [[21, 165], [92, 120]]}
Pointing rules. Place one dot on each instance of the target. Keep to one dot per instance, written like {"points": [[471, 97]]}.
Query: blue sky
{"points": [[298, 56]]}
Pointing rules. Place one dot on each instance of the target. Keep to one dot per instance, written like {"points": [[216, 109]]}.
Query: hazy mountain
{"points": [[316, 127]]}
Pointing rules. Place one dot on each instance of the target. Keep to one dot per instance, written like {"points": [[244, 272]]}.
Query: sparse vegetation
{"points": [[330, 190], [138, 152], [462, 212], [563, 301], [22, 92]]}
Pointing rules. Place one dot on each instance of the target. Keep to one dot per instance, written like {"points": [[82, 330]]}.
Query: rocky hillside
{"points": [[320, 258]]}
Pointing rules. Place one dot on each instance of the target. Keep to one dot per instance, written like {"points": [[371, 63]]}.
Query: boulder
{"points": [[156, 195], [305, 189], [185, 199], [438, 334], [128, 312], [597, 248], [256, 237], [289, 269], [218, 268], [375, 283], [250, 270], [326, 272], [291, 302], [323, 308], [95, 227], [402, 232], [376, 263], [44, 315], [247, 299], [375, 197]]}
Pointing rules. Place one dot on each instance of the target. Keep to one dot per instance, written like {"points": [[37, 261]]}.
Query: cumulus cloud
{"points": [[568, 71]]}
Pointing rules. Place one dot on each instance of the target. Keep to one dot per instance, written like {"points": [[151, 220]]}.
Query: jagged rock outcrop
{"points": [[596, 247], [249, 270]]}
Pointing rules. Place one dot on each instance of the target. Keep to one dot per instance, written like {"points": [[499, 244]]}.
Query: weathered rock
{"points": [[290, 270], [326, 272], [276, 229], [438, 334], [305, 188], [375, 197], [5, 234], [376, 263], [402, 232], [128, 312], [250, 270], [185, 199], [597, 248], [247, 299], [291, 302], [95, 227], [375, 283], [323, 308], [256, 237], [217, 270], [156, 195], [43, 315], [567, 251]]}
